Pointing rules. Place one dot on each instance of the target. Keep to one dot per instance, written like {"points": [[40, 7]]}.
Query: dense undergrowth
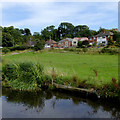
{"points": [[31, 76]]}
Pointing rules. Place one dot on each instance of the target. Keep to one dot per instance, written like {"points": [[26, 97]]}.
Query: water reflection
{"points": [[57, 104]]}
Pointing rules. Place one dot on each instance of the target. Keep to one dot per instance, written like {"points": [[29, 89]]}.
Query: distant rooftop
{"points": [[51, 42], [69, 39], [104, 33]]}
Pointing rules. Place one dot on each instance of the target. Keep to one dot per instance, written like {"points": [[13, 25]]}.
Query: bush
{"points": [[109, 50], [5, 50], [85, 49], [10, 71], [18, 48], [23, 75], [39, 45]]}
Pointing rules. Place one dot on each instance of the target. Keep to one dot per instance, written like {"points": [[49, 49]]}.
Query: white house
{"points": [[76, 39], [103, 37]]}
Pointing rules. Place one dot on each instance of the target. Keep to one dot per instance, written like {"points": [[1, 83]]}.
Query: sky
{"points": [[38, 15]]}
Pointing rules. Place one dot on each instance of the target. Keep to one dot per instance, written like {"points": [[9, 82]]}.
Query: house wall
{"points": [[92, 40], [47, 46], [102, 40], [74, 42], [61, 44], [54, 45]]}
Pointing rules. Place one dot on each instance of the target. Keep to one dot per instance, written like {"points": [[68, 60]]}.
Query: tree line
{"points": [[14, 36]]}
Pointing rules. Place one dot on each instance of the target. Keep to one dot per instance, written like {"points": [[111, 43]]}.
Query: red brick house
{"points": [[65, 43], [51, 44]]}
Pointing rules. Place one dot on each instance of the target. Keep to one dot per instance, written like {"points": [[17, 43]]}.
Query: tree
{"points": [[110, 42], [39, 44], [7, 40], [27, 31], [79, 44], [65, 29], [82, 31], [85, 43]]}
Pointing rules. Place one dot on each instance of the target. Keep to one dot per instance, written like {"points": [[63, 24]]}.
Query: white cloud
{"points": [[47, 13]]}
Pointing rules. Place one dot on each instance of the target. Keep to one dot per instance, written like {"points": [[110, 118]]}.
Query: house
{"points": [[92, 40], [101, 38], [76, 39], [51, 44], [65, 43]]}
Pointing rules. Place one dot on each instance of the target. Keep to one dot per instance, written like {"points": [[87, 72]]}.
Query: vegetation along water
{"points": [[35, 70]]}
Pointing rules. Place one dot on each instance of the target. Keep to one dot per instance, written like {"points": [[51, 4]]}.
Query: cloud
{"points": [[38, 15]]}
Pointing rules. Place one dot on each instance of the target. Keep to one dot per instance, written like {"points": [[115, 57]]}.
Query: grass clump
{"points": [[23, 76]]}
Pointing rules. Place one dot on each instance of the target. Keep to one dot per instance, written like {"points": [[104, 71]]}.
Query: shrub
{"points": [[5, 50], [94, 44], [18, 48], [109, 50], [79, 43], [39, 45], [23, 75], [10, 71], [85, 49]]}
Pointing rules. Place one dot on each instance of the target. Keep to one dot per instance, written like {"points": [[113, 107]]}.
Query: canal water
{"points": [[55, 104]]}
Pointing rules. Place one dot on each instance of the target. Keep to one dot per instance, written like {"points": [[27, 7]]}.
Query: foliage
{"points": [[23, 75], [39, 45], [5, 50], [81, 64], [13, 36], [110, 42], [110, 51], [79, 43], [66, 30], [85, 49], [21, 47], [7, 40]]}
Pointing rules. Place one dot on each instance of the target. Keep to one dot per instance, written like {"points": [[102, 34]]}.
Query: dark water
{"points": [[49, 104]]}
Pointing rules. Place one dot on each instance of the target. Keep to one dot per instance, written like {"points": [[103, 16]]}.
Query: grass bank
{"points": [[98, 71]]}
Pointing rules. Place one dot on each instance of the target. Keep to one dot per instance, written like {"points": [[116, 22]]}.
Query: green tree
{"points": [[110, 42], [39, 44], [82, 31], [27, 31], [79, 44], [65, 29], [7, 40]]}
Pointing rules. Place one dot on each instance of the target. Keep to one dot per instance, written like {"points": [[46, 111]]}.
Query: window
{"points": [[104, 37], [103, 41], [66, 43], [74, 42]]}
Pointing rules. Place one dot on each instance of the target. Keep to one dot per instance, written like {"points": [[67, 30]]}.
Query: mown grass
{"points": [[69, 64]]}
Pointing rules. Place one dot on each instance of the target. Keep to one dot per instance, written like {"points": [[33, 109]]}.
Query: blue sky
{"points": [[38, 15]]}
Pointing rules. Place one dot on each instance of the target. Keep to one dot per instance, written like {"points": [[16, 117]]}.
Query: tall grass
{"points": [[23, 76], [96, 69]]}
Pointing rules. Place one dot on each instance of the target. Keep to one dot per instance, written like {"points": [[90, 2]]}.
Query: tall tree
{"points": [[82, 31], [50, 32], [66, 30], [7, 40]]}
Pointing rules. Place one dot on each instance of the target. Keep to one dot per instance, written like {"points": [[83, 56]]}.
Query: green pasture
{"points": [[69, 64]]}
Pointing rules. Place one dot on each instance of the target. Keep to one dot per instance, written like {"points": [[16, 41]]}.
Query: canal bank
{"points": [[55, 104]]}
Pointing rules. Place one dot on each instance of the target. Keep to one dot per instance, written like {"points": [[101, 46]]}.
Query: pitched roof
{"points": [[51, 42], [104, 33], [69, 39], [81, 38]]}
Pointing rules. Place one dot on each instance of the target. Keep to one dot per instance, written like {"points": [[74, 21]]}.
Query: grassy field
{"points": [[70, 64]]}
